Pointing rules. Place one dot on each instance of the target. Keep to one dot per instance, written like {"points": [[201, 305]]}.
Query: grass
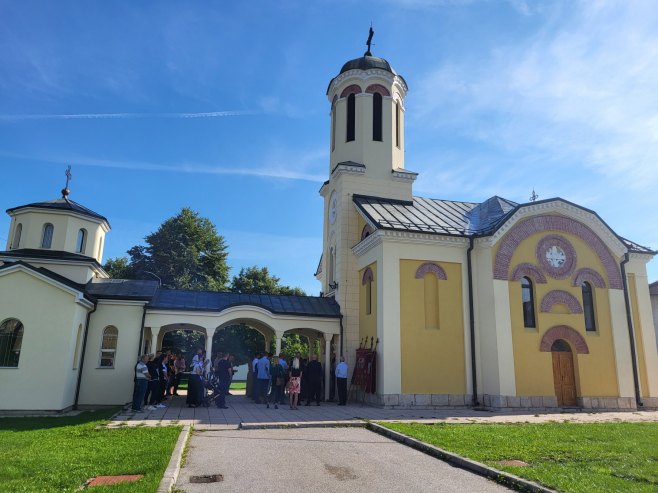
{"points": [[58, 454], [569, 457], [238, 385]]}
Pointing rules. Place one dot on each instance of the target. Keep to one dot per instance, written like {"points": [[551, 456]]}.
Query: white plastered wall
{"points": [[45, 378]]}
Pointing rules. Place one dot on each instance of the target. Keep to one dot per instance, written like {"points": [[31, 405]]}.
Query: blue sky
{"points": [[221, 106]]}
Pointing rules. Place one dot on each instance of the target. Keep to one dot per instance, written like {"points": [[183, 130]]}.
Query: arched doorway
{"points": [[564, 377]]}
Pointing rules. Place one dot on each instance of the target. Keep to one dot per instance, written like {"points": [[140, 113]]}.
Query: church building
{"points": [[495, 304]]}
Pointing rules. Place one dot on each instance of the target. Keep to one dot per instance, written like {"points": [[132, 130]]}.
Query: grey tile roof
{"points": [[636, 247], [124, 289], [62, 204], [446, 217], [174, 299]]}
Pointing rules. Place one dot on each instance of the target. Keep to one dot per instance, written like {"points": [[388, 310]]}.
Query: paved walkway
{"points": [[319, 459], [243, 412]]}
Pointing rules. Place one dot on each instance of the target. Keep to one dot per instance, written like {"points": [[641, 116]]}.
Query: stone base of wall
{"points": [[501, 402]]}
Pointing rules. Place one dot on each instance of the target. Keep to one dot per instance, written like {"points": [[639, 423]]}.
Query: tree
{"points": [[185, 253], [118, 268], [258, 280]]}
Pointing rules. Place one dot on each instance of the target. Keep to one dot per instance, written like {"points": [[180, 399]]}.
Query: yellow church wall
{"points": [[432, 359], [368, 321], [48, 326], [596, 372], [637, 330]]}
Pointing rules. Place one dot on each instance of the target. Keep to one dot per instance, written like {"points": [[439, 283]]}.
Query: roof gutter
{"points": [[141, 334], [631, 331], [82, 357], [471, 318]]}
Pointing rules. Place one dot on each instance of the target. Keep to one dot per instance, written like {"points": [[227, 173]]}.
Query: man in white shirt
{"points": [[142, 377], [341, 381]]}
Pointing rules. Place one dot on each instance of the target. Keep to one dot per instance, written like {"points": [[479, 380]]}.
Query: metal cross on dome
{"points": [[68, 176], [369, 42]]}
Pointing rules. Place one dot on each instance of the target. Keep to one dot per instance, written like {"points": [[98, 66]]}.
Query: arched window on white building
{"points": [[11, 342], [17, 236], [81, 244], [109, 347], [47, 236]]}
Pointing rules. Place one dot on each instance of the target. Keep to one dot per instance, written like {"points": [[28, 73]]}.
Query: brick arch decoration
{"points": [[431, 267], [366, 231], [353, 89], [557, 296], [528, 270], [538, 224], [379, 89], [367, 276], [589, 275], [333, 101], [566, 333]]}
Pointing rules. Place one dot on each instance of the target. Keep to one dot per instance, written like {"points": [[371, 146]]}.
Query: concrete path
{"points": [[242, 411], [318, 459]]}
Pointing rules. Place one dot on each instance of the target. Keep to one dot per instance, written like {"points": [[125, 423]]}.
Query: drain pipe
{"points": [[471, 316], [82, 357], [631, 332], [141, 335], [341, 334]]}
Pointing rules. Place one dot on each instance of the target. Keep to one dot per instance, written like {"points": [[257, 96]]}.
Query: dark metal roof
{"points": [[367, 62], [124, 289], [36, 253], [63, 204], [174, 299], [449, 217]]}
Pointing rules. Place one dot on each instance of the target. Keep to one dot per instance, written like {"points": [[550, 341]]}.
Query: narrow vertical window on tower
{"points": [[17, 236], [528, 299], [351, 118], [588, 307], [333, 127], [82, 241], [47, 236], [377, 117], [397, 124]]}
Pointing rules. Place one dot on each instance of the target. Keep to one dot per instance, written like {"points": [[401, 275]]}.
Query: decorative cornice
{"points": [[344, 168], [381, 235], [364, 75], [58, 212], [400, 174]]}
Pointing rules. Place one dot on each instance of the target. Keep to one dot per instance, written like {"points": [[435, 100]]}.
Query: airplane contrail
{"points": [[108, 116]]}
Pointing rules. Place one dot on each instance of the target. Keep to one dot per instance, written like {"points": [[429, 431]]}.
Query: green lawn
{"points": [[569, 457], [239, 386], [59, 454]]}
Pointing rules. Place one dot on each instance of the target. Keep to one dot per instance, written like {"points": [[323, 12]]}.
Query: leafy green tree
{"points": [[259, 280], [185, 253], [118, 268]]}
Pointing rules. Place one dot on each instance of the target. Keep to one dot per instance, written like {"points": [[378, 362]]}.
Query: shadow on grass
{"points": [[49, 422]]}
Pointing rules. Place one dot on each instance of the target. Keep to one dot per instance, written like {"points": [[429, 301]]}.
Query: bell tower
{"points": [[366, 140]]}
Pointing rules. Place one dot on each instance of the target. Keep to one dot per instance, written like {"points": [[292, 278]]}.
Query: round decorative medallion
{"points": [[333, 207], [556, 255]]}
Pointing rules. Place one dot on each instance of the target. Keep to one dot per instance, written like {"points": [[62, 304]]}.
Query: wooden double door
{"points": [[563, 374]]}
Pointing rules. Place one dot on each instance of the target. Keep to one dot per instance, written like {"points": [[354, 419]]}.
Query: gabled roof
{"points": [[63, 204], [50, 275], [174, 299]]}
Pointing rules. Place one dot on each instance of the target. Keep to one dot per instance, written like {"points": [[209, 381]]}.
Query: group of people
{"points": [[157, 376], [271, 376]]}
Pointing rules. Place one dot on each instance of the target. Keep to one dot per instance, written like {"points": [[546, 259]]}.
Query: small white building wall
{"points": [[111, 386], [44, 379]]}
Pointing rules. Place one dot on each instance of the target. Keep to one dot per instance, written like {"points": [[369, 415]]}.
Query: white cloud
{"points": [[582, 91]]}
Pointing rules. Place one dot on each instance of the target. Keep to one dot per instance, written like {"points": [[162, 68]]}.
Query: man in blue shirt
{"points": [[341, 381], [262, 378]]}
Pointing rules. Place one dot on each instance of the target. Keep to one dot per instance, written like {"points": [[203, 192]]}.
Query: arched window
{"points": [[76, 354], [11, 341], [397, 123], [333, 127], [82, 241], [377, 117], [588, 306], [351, 118], [17, 236], [109, 347], [332, 267], [100, 248], [47, 236], [528, 298]]}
